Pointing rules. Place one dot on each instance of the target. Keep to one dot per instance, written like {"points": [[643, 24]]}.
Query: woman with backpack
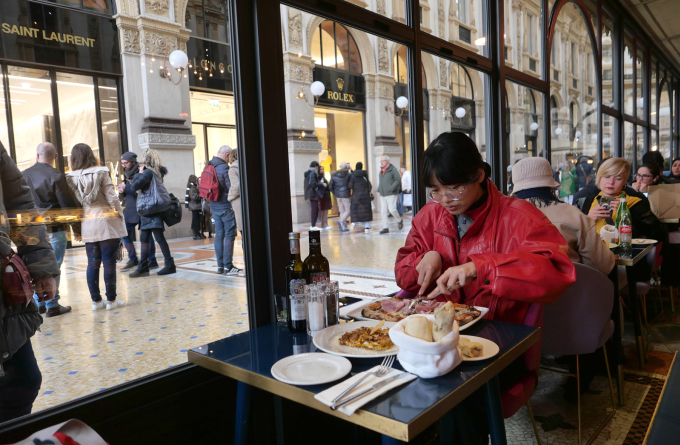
{"points": [[192, 201], [150, 171], [103, 224]]}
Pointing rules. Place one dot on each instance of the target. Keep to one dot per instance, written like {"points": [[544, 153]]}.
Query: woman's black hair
{"points": [[359, 166], [653, 169], [676, 159], [452, 159], [314, 164], [653, 157]]}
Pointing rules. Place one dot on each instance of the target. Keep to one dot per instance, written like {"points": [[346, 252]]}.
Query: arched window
{"points": [[399, 68], [554, 115], [334, 47], [460, 83], [462, 100]]}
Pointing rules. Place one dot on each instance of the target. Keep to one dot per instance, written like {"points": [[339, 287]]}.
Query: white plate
{"points": [[327, 340], [490, 348], [643, 241], [314, 368], [356, 314]]}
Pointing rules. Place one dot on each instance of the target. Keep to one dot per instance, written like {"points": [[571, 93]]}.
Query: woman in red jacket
{"points": [[478, 247]]}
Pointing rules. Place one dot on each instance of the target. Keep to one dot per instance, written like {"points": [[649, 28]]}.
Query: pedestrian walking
{"points": [[151, 171], [325, 202], [360, 207], [132, 218], [103, 223], [223, 214], [339, 186], [313, 191], [51, 192], [234, 196], [405, 190], [21, 377], [192, 201], [389, 185]]}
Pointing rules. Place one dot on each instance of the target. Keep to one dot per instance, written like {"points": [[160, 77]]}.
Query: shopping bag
{"points": [[155, 199], [665, 200], [408, 200]]}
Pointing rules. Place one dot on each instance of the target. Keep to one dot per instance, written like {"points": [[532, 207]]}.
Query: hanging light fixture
{"points": [[401, 103], [178, 60]]}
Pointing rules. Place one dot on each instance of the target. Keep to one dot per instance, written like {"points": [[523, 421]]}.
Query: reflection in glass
{"points": [[76, 113], [640, 146], [640, 90], [194, 18], [628, 78], [462, 22], [653, 100], [108, 98], [609, 135], [664, 119], [32, 116], [608, 80], [628, 143], [525, 122], [216, 20], [211, 114], [655, 146]]}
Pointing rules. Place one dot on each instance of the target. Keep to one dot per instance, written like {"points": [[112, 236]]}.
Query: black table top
{"points": [[638, 253], [401, 413]]}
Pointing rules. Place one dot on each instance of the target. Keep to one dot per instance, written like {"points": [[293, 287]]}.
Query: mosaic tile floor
{"points": [[84, 351]]}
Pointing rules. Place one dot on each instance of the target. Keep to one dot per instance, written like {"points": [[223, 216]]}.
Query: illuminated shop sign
{"points": [[342, 88]]}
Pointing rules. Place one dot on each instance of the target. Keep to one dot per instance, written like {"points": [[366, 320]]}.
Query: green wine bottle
{"points": [[296, 279]]}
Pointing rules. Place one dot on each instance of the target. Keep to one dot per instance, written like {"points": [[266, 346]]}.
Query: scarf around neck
{"points": [[131, 172], [539, 196]]}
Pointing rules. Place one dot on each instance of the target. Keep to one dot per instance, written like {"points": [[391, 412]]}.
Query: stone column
{"points": [[157, 111]]}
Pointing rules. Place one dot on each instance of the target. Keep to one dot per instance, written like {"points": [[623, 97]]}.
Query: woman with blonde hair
{"points": [[150, 169], [103, 225]]}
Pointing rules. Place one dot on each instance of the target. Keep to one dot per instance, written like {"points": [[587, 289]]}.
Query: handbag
{"points": [[17, 286], [155, 199], [370, 194], [173, 215]]}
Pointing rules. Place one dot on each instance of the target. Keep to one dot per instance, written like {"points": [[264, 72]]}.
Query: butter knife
{"points": [[375, 387]]}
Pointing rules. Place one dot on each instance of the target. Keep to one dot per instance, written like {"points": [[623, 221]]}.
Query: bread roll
{"points": [[444, 316], [419, 327]]}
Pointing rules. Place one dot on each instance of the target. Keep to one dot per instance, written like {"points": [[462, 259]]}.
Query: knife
{"points": [[375, 387]]}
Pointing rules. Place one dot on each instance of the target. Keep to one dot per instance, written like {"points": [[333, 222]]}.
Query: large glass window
{"points": [[628, 98], [334, 47], [524, 122], [208, 19], [608, 80], [213, 124], [76, 113], [654, 100], [665, 107], [609, 135], [641, 94], [628, 140], [108, 99]]}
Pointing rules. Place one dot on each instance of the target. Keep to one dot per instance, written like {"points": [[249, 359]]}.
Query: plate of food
{"points": [[396, 309], [473, 348], [313, 368], [359, 339], [643, 241]]}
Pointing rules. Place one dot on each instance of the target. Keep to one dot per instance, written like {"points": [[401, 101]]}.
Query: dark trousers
{"points": [[158, 235], [128, 242], [315, 210], [20, 385], [97, 253], [196, 221]]}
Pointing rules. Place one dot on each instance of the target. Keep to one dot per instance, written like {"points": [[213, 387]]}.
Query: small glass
{"points": [[316, 308], [281, 301], [332, 292]]}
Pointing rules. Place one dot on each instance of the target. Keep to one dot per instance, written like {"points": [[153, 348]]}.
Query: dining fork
{"points": [[384, 368]]}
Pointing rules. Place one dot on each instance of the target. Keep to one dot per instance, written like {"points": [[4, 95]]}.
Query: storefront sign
{"points": [[342, 88], [209, 65], [39, 33]]}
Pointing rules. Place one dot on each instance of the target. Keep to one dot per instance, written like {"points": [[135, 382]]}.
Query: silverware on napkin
{"points": [[375, 387]]}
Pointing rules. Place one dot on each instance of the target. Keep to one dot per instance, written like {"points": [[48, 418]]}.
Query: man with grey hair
{"points": [[50, 191], [223, 215], [389, 186]]}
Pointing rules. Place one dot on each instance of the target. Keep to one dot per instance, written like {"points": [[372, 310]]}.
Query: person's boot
{"points": [[130, 265], [383, 231], [59, 310], [153, 265], [196, 237], [201, 235], [168, 268], [142, 270], [401, 224]]}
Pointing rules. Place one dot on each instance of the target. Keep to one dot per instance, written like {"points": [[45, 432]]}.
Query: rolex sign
{"points": [[343, 89]]}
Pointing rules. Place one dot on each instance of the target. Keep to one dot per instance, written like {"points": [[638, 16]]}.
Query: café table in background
{"points": [[248, 358]]}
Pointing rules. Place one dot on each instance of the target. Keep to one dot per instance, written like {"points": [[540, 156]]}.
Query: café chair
{"points": [[654, 260], [579, 322], [673, 240]]}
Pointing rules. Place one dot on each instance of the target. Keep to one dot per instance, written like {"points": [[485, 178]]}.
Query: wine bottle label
{"points": [[317, 277], [297, 300]]}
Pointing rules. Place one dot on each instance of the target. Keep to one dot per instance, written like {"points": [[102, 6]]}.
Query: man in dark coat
{"points": [[51, 192], [312, 184], [132, 219], [389, 187], [339, 186], [360, 208], [20, 376]]}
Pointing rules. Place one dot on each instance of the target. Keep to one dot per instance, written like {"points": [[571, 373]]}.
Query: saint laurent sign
{"points": [[342, 88], [56, 36]]}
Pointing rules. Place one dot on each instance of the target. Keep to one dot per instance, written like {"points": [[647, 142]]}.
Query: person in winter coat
{"points": [[223, 214], [360, 207], [312, 188], [675, 170], [584, 172], [533, 184], [103, 225], [21, 379], [151, 224], [325, 202], [234, 196], [51, 192], [389, 186], [339, 186], [192, 201], [132, 219], [478, 247]]}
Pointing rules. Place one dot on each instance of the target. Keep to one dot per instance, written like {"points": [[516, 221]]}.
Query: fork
{"points": [[384, 368]]}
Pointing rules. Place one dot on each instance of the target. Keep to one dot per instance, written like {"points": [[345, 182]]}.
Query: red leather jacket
{"points": [[520, 257]]}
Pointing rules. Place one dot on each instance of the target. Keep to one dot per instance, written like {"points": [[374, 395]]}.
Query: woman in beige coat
{"points": [[234, 196], [103, 225]]}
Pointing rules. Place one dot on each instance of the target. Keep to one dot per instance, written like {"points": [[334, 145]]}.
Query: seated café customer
{"points": [[647, 174], [656, 158], [534, 183], [611, 180], [675, 170], [479, 247]]}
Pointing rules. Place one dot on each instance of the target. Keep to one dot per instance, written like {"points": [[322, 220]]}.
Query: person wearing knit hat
{"points": [[534, 183]]}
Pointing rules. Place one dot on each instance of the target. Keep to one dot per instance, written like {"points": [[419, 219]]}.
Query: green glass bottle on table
{"points": [[296, 279], [624, 224], [317, 265]]}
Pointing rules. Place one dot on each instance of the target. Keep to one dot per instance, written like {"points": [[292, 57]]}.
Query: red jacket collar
{"points": [[446, 223]]}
